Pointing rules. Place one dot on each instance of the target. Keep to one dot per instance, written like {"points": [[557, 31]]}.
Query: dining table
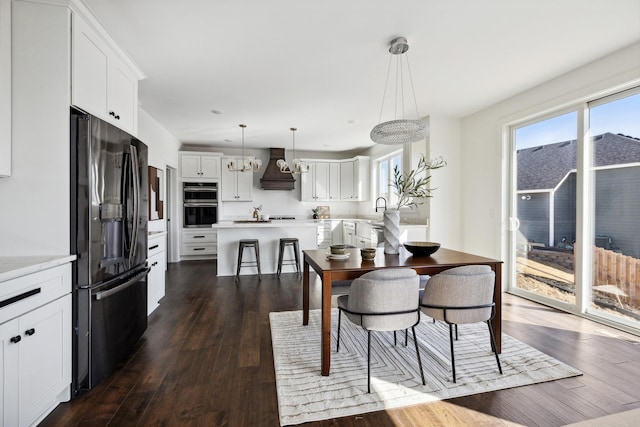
{"points": [[351, 266]]}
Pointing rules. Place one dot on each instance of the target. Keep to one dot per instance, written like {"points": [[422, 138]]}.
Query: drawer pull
{"points": [[16, 339], [30, 332], [199, 249], [154, 247], [199, 237], [17, 298], [154, 264]]}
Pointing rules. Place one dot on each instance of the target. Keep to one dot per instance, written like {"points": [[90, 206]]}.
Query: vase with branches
{"points": [[412, 189]]}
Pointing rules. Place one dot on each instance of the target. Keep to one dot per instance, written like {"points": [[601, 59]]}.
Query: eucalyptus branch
{"points": [[413, 187]]}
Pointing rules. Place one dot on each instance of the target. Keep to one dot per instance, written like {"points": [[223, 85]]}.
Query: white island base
{"points": [[268, 235]]}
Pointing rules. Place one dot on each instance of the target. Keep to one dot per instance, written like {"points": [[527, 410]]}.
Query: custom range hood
{"points": [[273, 179]]}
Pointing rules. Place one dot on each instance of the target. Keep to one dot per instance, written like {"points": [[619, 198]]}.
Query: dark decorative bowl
{"points": [[422, 248]]}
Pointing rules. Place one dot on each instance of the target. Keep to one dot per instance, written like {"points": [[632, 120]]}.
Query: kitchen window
{"points": [[384, 167]]}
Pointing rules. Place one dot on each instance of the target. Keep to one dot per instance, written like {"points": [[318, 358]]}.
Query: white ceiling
{"points": [[320, 66]]}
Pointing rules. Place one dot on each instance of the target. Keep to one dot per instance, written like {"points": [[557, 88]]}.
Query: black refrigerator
{"points": [[109, 205]]}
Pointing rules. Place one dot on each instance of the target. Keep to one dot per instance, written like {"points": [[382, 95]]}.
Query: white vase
{"points": [[391, 221]]}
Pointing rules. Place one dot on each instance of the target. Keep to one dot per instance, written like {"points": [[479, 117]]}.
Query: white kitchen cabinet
{"points": [[35, 334], [157, 261], [321, 183], [349, 232], [235, 186], [199, 243], [346, 180], [205, 166], [354, 179], [102, 83]]}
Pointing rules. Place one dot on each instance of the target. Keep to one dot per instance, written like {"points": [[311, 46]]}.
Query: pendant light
{"points": [[245, 165], [400, 130], [297, 167]]}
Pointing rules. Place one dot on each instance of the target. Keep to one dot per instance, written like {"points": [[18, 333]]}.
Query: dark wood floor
{"points": [[206, 360]]}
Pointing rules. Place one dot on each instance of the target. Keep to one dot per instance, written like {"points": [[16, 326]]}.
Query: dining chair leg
{"points": [[493, 346], [453, 361], [413, 329], [368, 361], [456, 332], [395, 341], [405, 337], [339, 320]]}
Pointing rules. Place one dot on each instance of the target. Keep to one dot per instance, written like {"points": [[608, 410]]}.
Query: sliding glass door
{"points": [[543, 218], [575, 209], [615, 175]]}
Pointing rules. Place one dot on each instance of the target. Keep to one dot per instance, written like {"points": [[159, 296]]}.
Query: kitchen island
{"points": [[268, 234]]}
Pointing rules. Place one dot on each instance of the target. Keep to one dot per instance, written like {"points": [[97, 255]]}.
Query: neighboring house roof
{"points": [[545, 166]]}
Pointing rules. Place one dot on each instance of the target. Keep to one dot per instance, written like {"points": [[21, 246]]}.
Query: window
{"points": [[384, 173]]}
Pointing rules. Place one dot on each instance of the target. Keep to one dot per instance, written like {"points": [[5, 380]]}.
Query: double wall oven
{"points": [[200, 204]]}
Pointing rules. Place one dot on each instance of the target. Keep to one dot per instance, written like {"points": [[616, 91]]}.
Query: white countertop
{"points": [[17, 266], [271, 224], [300, 222]]}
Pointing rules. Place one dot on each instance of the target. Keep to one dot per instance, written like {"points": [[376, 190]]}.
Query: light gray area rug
{"points": [[304, 395]]}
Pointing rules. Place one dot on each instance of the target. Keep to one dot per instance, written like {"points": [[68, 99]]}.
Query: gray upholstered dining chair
{"points": [[461, 295], [383, 300]]}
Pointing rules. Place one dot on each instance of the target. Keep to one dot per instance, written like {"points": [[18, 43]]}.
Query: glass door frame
{"points": [[585, 208]]}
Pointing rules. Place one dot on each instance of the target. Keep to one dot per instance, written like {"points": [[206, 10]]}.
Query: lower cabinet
{"points": [[35, 359], [199, 244], [157, 261]]}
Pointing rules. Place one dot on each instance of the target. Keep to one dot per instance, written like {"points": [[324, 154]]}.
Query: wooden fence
{"points": [[621, 271]]}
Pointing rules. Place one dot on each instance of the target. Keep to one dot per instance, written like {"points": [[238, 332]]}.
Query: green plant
{"points": [[413, 187]]}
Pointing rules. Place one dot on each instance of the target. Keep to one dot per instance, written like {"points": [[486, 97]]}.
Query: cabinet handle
{"points": [[117, 117], [199, 249], [153, 247], [30, 332], [111, 113], [198, 237], [16, 339], [154, 264]]}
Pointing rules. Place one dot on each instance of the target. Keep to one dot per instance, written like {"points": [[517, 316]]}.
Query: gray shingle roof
{"points": [[543, 167]]}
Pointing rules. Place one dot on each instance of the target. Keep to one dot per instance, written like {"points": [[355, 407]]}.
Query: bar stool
{"points": [[284, 242], [248, 243]]}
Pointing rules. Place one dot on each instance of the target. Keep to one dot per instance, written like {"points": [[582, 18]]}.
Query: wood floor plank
{"points": [[206, 360]]}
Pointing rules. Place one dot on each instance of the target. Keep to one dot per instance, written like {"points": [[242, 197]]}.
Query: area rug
{"points": [[304, 395]]}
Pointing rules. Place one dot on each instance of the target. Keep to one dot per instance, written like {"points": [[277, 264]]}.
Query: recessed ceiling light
{"points": [[216, 111], [228, 140], [352, 121]]}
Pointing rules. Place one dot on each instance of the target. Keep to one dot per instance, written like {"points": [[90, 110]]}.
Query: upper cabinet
{"points": [[200, 165], [5, 88], [354, 179], [336, 180], [103, 83], [235, 186]]}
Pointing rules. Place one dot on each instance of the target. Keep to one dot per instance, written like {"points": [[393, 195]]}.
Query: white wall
{"points": [[34, 201], [163, 152], [446, 205], [484, 152]]}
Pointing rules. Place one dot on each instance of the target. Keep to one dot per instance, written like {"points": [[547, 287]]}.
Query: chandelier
{"points": [[399, 130], [297, 167], [244, 165]]}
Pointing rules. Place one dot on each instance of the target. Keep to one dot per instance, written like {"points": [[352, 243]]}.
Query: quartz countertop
{"points": [[18, 266], [271, 224]]}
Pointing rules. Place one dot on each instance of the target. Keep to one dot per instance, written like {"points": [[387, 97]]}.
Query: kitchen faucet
{"points": [[385, 203]]}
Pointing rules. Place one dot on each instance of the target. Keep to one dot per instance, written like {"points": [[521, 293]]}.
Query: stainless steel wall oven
{"points": [[200, 204]]}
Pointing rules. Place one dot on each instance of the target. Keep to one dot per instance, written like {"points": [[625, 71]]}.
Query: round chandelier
{"points": [[399, 130]]}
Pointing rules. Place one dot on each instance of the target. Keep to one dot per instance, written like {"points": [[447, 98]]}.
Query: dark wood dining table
{"points": [[331, 270]]}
